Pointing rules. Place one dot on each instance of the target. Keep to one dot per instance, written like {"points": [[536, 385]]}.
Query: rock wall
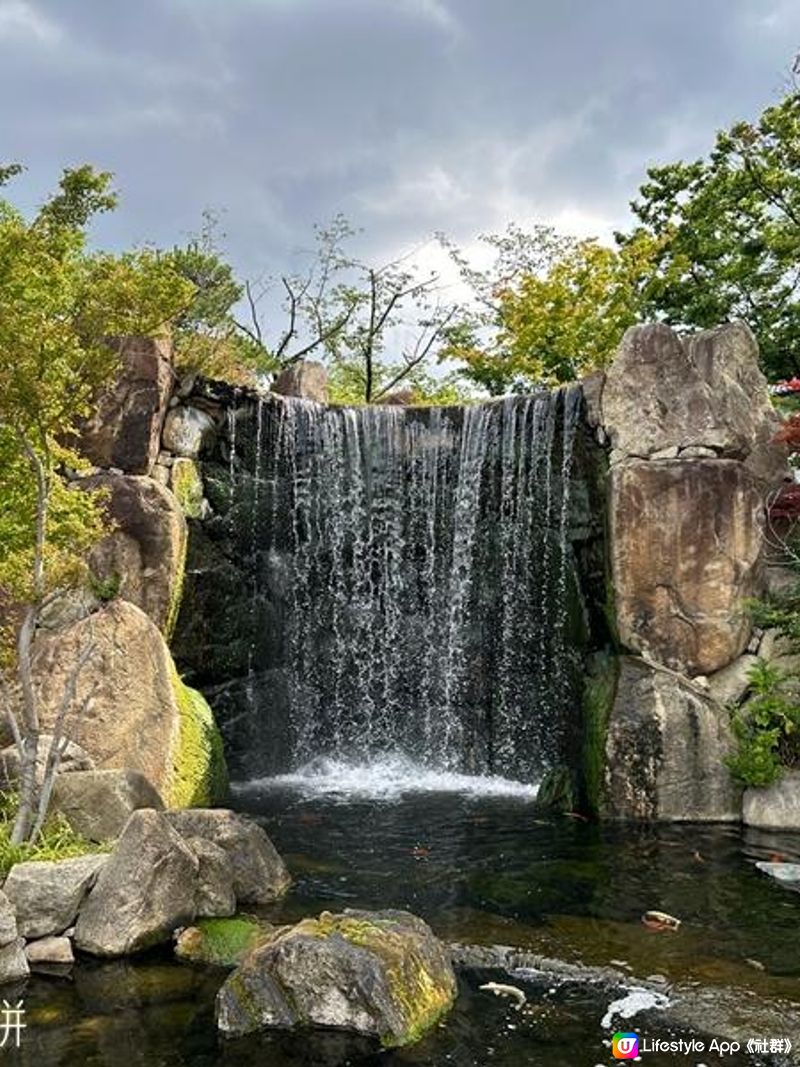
{"points": [[133, 711], [689, 425]]}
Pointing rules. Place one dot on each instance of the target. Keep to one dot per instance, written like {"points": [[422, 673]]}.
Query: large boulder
{"points": [[98, 804], [774, 807], [705, 392], [686, 540], [145, 553], [259, 874], [382, 974], [188, 431], [305, 379], [47, 894], [146, 890], [216, 896], [665, 750], [125, 432], [140, 716]]}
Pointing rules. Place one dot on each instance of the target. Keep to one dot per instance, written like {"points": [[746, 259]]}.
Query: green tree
{"points": [[207, 336], [727, 232], [548, 310], [58, 307]]}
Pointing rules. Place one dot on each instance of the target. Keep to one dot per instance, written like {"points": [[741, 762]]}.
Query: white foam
{"points": [[385, 778], [638, 999]]}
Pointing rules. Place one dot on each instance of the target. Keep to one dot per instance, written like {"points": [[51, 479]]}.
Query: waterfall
{"points": [[420, 564]]}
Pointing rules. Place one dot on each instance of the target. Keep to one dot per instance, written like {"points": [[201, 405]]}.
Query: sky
{"points": [[410, 116]]}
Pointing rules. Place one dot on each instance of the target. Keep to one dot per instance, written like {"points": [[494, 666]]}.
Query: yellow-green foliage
{"points": [[199, 777], [223, 942], [57, 841], [421, 997], [187, 485]]}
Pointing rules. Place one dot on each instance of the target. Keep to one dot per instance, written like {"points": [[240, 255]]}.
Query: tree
{"points": [[207, 337], [549, 309], [728, 235], [350, 313], [58, 307]]}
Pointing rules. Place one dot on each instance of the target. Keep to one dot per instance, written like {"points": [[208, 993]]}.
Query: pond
{"points": [[485, 868]]}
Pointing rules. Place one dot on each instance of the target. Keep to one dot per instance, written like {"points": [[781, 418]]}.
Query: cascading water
{"points": [[419, 566]]}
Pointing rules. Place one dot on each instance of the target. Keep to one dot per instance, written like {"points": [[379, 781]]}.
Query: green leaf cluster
{"points": [[727, 233], [60, 307]]}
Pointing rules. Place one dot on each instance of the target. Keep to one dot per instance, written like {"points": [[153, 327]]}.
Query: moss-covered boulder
{"points": [[223, 942], [382, 974], [141, 716]]}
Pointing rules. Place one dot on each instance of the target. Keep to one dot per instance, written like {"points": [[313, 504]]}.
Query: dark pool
{"points": [[485, 870]]}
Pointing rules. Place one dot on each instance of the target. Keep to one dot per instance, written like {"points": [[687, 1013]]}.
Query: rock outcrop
{"points": [[98, 804], [146, 890], [259, 874], [663, 393], [125, 432], [665, 750], [382, 974], [47, 894], [188, 431], [145, 553], [305, 379], [686, 541], [140, 715]]}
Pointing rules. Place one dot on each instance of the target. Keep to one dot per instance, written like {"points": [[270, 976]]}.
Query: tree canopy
{"points": [[727, 235]]}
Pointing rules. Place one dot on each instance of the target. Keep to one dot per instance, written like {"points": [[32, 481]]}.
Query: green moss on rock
{"points": [[199, 776], [223, 942], [600, 689], [422, 996], [187, 485], [177, 590]]}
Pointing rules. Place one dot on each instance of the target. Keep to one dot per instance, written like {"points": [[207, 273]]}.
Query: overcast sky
{"points": [[408, 115]]}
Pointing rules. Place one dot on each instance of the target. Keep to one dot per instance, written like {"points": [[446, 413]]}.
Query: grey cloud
{"points": [[409, 115]]}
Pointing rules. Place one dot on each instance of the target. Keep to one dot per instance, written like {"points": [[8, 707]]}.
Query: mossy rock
{"points": [[199, 775], [382, 974], [187, 485], [223, 942]]}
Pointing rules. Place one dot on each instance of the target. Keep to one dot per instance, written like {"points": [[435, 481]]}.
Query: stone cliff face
{"points": [[135, 712], [689, 424]]}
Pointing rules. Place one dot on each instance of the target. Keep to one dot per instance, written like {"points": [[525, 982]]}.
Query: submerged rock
{"points": [[259, 874], [382, 974], [788, 873], [146, 890], [47, 894]]}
